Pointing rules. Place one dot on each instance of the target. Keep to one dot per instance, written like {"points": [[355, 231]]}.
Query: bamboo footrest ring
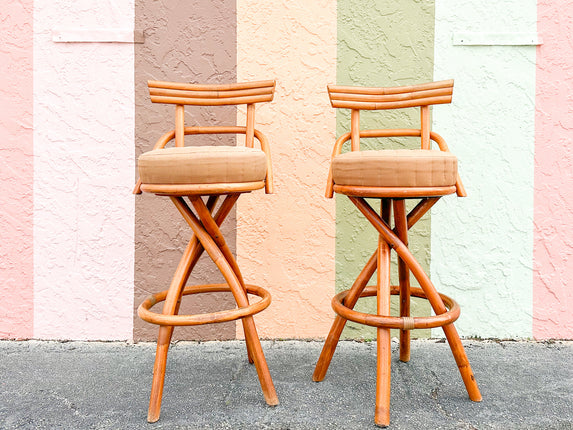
{"points": [[402, 323], [214, 317]]}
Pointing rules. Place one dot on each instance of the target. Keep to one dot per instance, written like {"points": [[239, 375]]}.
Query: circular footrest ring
{"points": [[214, 317], [402, 323]]}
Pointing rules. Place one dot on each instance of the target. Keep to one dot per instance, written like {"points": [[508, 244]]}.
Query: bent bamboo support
{"points": [[446, 309]]}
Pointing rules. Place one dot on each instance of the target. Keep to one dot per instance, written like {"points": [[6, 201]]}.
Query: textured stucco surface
{"points": [[482, 244], [380, 43], [83, 171], [75, 115], [553, 216], [285, 241], [16, 170], [185, 41]]}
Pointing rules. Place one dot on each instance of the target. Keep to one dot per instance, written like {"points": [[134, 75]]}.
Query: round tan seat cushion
{"points": [[395, 168], [202, 165]]}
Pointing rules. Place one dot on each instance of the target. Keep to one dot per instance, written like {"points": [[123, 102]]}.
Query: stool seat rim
{"points": [[402, 323], [208, 318], [393, 192], [202, 189]]}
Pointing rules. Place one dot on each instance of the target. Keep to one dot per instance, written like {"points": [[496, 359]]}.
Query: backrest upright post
{"points": [[355, 130], [250, 134], [425, 126], [179, 125]]}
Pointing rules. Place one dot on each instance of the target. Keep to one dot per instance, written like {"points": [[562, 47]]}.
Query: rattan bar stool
{"points": [[393, 176], [205, 174]]}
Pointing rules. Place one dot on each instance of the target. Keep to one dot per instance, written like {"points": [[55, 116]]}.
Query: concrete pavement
{"points": [[210, 385]]}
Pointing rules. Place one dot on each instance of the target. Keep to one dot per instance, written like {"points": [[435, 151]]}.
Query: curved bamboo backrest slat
{"points": [[391, 97], [211, 95], [181, 94]]}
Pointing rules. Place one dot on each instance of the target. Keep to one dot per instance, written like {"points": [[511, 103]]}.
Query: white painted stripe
{"points": [[482, 245], [84, 164]]}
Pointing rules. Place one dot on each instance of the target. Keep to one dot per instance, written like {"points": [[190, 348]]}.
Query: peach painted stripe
{"points": [[285, 241], [16, 170], [84, 163], [553, 217]]}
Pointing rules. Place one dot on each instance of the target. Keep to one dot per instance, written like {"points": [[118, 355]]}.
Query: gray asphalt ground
{"points": [[210, 385]]}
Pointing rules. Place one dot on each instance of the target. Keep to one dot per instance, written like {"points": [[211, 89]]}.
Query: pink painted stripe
{"points": [[16, 170], [553, 215], [83, 174]]}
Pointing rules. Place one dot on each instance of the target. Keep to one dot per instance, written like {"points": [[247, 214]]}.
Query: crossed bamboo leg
{"points": [[207, 236], [380, 261]]}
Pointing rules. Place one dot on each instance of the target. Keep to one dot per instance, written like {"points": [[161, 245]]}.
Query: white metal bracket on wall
{"points": [[94, 35], [485, 39]]}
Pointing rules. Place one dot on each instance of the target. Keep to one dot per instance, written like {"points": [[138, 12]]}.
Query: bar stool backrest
{"points": [[181, 94], [379, 98]]}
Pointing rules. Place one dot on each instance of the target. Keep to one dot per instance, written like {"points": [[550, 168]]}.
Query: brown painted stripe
{"points": [[195, 42]]}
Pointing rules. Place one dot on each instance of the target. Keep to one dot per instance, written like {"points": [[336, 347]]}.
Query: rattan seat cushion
{"points": [[395, 168], [202, 165]]}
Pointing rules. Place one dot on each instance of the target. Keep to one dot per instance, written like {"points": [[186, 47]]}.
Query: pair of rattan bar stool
{"points": [[205, 174]]}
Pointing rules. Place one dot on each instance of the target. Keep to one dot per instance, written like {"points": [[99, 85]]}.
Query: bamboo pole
{"points": [[386, 98], [383, 343], [212, 101], [425, 126], [250, 134], [355, 129], [401, 227], [400, 323], [360, 105], [179, 125], [420, 210], [170, 92], [211, 87], [390, 90]]}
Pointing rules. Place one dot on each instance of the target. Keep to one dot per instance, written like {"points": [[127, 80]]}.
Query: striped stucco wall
{"points": [[79, 252]]}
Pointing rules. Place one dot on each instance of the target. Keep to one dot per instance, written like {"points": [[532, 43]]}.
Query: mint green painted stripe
{"points": [[482, 244], [380, 43]]}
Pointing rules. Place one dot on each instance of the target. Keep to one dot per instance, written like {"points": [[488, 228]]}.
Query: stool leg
{"points": [[462, 361], [171, 307], [338, 325], [384, 351], [401, 224], [165, 332], [239, 294], [430, 292]]}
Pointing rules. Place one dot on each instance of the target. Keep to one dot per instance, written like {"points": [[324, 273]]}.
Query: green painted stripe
{"points": [[380, 43]]}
